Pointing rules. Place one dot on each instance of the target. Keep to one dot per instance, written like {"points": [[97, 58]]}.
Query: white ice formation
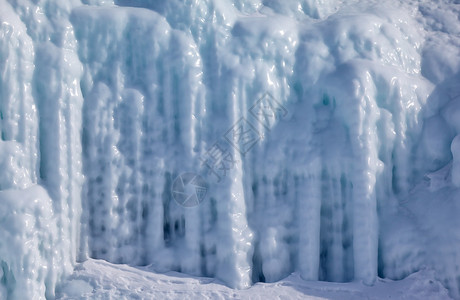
{"points": [[104, 103]]}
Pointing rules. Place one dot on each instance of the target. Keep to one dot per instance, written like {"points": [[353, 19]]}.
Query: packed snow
{"points": [[97, 279], [229, 149]]}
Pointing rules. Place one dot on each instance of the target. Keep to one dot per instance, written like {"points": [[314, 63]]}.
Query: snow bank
{"points": [[96, 279]]}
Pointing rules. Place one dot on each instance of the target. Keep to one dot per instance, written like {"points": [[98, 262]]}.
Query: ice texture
{"points": [[34, 251], [104, 103]]}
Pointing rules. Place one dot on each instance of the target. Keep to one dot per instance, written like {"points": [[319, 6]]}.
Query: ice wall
{"points": [[104, 104], [40, 108]]}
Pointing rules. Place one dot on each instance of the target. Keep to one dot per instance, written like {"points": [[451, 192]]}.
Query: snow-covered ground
{"points": [[238, 140], [98, 279]]}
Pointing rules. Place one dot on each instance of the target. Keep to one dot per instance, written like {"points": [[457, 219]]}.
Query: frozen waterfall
{"points": [[325, 133]]}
